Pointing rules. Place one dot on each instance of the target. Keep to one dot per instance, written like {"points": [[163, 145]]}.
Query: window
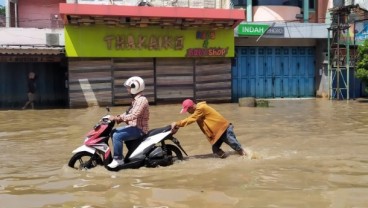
{"points": [[298, 3], [312, 4], [276, 2], [239, 3]]}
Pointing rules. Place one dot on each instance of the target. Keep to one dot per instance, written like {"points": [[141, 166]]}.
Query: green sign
{"points": [[104, 41], [252, 29]]}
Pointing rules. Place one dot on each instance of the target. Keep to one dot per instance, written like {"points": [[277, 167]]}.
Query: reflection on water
{"points": [[304, 153]]}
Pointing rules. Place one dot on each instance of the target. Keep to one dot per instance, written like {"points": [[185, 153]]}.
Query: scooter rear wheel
{"points": [[174, 152], [84, 160]]}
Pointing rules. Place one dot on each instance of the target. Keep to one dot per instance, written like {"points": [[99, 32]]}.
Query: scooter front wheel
{"points": [[85, 160]]}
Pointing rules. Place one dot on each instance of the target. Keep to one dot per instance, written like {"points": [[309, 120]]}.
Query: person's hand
{"points": [[112, 118], [115, 118], [174, 128]]}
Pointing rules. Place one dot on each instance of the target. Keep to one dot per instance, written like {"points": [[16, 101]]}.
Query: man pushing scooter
{"points": [[216, 128]]}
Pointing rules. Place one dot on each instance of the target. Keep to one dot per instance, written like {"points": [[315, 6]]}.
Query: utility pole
{"points": [[339, 53]]}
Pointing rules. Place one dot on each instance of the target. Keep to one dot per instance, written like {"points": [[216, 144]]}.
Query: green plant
{"points": [[2, 10], [362, 63]]}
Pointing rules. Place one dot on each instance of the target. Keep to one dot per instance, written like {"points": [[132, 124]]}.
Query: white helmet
{"points": [[136, 84]]}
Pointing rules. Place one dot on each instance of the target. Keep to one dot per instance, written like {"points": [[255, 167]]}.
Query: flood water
{"points": [[303, 153]]}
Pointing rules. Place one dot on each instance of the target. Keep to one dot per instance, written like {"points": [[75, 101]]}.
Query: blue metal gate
{"points": [[273, 72]]}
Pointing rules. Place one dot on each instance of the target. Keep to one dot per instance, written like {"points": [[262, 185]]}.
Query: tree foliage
{"points": [[362, 63], [2, 10]]}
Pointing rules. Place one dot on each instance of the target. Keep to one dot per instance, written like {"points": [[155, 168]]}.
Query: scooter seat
{"points": [[158, 130]]}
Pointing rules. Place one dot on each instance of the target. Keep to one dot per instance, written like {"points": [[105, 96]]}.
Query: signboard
{"points": [[259, 29], [252, 29], [276, 31], [104, 41], [361, 32]]}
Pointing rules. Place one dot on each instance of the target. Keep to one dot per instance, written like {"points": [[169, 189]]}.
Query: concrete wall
{"points": [[322, 11], [321, 69], [275, 13], [287, 13], [39, 14], [28, 36], [275, 42], [362, 3]]}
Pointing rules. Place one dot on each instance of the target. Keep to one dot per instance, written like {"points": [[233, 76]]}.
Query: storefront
{"points": [[48, 64], [180, 52], [278, 60]]}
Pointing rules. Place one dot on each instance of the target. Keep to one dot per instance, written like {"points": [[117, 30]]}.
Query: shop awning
{"points": [[30, 50], [144, 16]]}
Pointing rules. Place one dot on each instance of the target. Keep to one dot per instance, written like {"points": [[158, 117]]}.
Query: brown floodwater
{"points": [[303, 153]]}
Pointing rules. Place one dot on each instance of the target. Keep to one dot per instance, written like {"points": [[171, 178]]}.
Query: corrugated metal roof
{"points": [[30, 50], [143, 16]]}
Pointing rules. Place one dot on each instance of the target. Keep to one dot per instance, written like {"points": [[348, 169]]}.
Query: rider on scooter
{"points": [[136, 118]]}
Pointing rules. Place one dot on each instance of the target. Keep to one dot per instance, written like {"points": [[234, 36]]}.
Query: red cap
{"points": [[186, 104]]}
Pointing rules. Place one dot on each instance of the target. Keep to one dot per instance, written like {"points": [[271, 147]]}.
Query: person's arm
{"points": [[198, 113], [118, 118]]}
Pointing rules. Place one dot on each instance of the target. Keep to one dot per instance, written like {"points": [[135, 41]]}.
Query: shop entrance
{"points": [[273, 72], [50, 84]]}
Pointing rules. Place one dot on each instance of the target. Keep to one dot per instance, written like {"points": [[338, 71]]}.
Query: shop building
{"points": [[278, 50], [180, 52], [32, 41], [281, 51], [181, 48]]}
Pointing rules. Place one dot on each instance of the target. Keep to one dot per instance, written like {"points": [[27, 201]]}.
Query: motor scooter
{"points": [[150, 150]]}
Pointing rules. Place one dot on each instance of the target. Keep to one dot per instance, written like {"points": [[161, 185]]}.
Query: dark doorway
{"points": [[51, 84]]}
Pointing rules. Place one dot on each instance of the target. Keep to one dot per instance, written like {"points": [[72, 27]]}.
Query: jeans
{"points": [[229, 138], [125, 133]]}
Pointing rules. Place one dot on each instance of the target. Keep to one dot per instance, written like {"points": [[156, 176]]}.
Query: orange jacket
{"points": [[211, 122]]}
